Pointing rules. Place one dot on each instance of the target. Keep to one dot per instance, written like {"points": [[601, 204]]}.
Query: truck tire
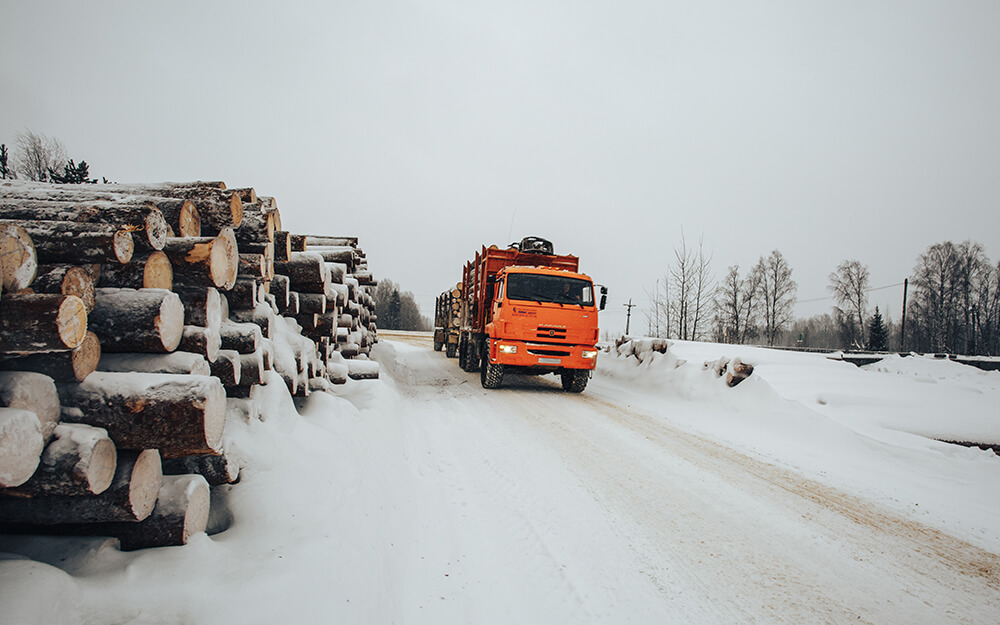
{"points": [[471, 356], [451, 350], [575, 380], [491, 375], [438, 346]]}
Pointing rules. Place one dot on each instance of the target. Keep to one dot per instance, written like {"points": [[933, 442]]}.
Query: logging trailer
{"points": [[526, 310], [447, 321]]}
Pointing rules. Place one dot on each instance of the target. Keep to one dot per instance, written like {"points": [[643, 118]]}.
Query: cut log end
{"points": [[124, 246], [157, 229], [190, 220], [170, 322], [18, 260], [72, 321], [144, 487], [158, 273], [21, 445]]}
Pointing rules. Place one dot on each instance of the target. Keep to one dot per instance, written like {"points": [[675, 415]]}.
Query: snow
{"points": [[814, 491]]}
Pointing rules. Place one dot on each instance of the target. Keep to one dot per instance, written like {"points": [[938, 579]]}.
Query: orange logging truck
{"points": [[527, 310]]}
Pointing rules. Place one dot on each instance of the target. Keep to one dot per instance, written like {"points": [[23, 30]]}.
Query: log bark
{"points": [[263, 316], [66, 366], [34, 323], [202, 341], [34, 392], [66, 280], [313, 240], [205, 261], [181, 511], [80, 460], [75, 243], [180, 415], [21, 445], [138, 320], [202, 306], [218, 207], [131, 497], [186, 363], [146, 271], [18, 259], [279, 289]]}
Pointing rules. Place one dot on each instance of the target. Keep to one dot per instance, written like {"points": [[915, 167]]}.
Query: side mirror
{"points": [[604, 297]]}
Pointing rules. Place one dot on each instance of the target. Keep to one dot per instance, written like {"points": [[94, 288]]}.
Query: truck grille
{"points": [[547, 352], [551, 332]]}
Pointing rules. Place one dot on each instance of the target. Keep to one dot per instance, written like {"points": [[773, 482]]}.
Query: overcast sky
{"points": [[827, 130]]}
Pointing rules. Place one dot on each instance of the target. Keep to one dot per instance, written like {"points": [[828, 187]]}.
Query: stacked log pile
{"points": [[134, 321]]}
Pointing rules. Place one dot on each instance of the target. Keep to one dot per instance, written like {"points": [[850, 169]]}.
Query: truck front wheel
{"points": [[490, 374], [575, 380]]}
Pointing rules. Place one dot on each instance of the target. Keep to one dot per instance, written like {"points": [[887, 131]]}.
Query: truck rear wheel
{"points": [[575, 380], [490, 374], [438, 346], [450, 350]]}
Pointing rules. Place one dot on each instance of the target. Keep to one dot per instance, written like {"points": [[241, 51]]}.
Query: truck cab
{"points": [[542, 321]]}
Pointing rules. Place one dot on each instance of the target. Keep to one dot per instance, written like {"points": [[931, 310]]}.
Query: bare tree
{"points": [[849, 285], [777, 291], [36, 155], [691, 280]]}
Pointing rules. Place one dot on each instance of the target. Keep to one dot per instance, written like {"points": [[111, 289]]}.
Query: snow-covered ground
{"points": [[813, 492]]}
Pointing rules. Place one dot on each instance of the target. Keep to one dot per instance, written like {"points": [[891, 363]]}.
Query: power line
{"points": [[820, 299]]}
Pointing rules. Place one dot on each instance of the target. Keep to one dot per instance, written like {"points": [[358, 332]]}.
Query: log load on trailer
{"points": [[527, 310], [447, 321]]}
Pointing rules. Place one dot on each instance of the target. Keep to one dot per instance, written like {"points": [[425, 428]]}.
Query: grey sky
{"points": [[829, 131]]}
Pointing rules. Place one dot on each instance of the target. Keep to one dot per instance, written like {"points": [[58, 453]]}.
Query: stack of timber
{"points": [[135, 321]]}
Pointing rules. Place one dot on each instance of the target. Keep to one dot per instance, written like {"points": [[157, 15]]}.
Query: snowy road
{"points": [[538, 506]]}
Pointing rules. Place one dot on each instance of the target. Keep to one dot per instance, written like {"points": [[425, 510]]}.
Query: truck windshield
{"points": [[545, 288]]}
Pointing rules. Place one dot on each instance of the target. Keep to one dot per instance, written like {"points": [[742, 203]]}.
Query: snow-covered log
{"points": [[244, 338], [226, 367], [258, 224], [180, 415], [80, 460], [149, 270], [138, 320], [181, 511], [75, 243], [204, 261], [177, 363], [202, 306], [130, 497], [202, 341], [65, 366], [21, 444], [262, 315], [244, 295], [33, 392], [33, 323], [306, 272], [18, 259], [143, 219], [216, 469], [362, 369]]}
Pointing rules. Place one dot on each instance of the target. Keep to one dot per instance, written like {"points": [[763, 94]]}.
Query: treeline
{"points": [[953, 304], [398, 310], [42, 159]]}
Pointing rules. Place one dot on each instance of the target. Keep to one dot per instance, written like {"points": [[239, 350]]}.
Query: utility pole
{"points": [[902, 330], [628, 315]]}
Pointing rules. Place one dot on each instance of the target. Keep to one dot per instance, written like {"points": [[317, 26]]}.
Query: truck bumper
{"points": [[542, 357]]}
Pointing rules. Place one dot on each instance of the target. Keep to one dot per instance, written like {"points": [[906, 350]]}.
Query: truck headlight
{"points": [[507, 349], [589, 353]]}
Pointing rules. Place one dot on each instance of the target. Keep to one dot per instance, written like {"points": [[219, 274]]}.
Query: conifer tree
{"points": [[878, 337], [5, 171]]}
